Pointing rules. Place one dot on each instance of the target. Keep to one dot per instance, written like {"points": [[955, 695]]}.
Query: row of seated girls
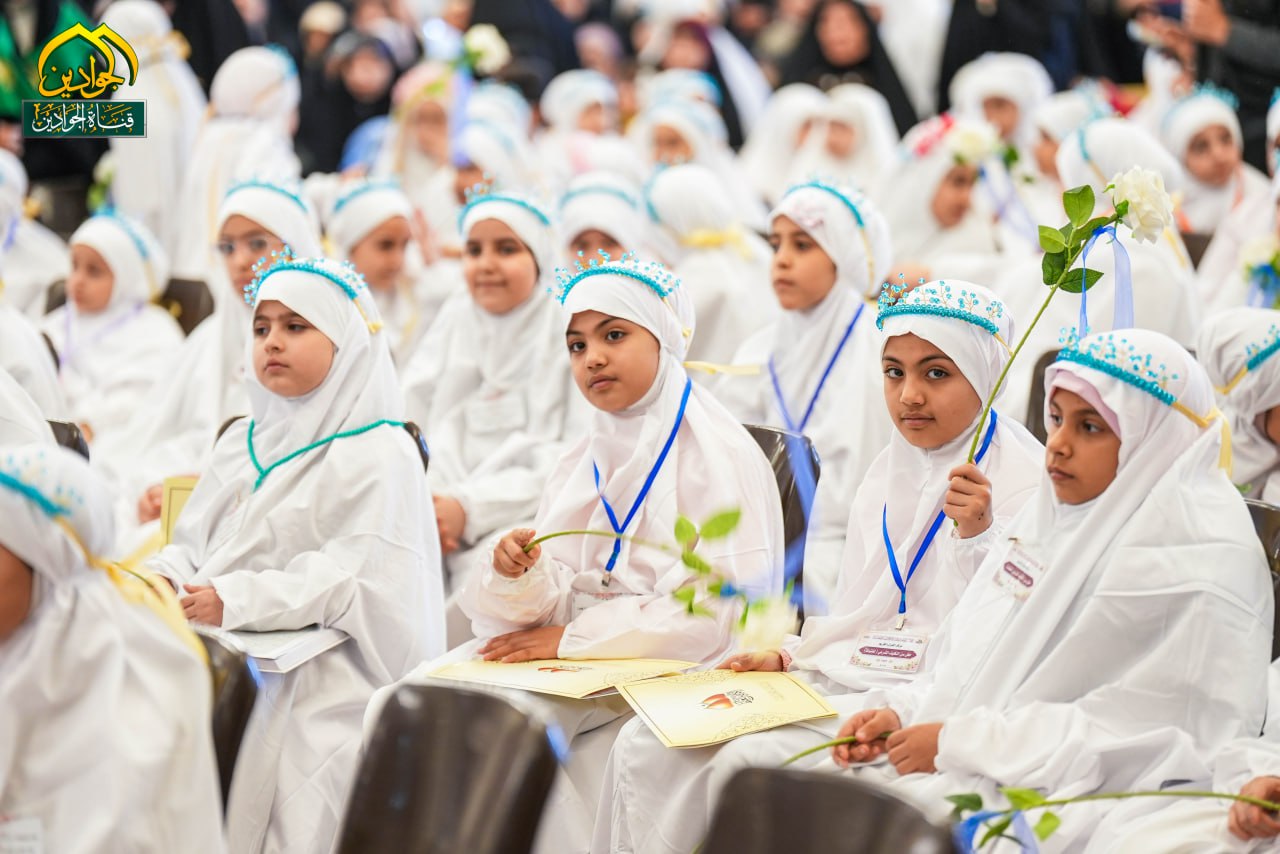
{"points": [[608, 391]]}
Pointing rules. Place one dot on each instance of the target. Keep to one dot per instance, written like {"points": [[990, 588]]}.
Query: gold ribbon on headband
{"points": [[1235, 381], [1215, 414], [151, 592], [710, 238]]}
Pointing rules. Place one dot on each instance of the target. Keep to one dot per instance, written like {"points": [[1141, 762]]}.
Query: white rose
{"points": [[1150, 208], [488, 47], [768, 624], [972, 142], [1259, 251]]}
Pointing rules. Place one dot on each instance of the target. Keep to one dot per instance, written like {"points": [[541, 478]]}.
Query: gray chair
{"points": [[189, 301], [769, 810], [68, 435], [1035, 403], [235, 690], [1266, 521], [796, 467], [449, 770]]}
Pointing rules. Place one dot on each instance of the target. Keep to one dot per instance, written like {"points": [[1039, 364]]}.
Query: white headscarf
{"points": [[360, 209], [1016, 77], [147, 174], [875, 139], [92, 673], [766, 155], [1237, 349], [724, 265], [713, 465], [906, 190], [608, 203], [252, 102], [34, 256], [1059, 115], [21, 421], [400, 158], [570, 93]]}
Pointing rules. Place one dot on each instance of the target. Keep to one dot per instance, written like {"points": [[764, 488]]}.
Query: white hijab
{"points": [[104, 705], [724, 265], [875, 139], [1016, 77], [1237, 348], [252, 102], [766, 155], [608, 203], [713, 465], [34, 256], [21, 421], [400, 158]]}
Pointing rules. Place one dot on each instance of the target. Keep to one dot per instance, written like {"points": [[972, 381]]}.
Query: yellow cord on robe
{"points": [[150, 591], [1215, 414], [732, 370], [710, 238]]}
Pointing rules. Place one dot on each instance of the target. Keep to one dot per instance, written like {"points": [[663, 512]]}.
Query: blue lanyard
{"points": [[644, 490], [813, 401], [928, 538]]}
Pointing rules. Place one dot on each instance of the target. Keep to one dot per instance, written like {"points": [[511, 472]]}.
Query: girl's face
{"points": [[590, 243], [1003, 114], [930, 401], [842, 34], [952, 199], [687, 49], [243, 243], [1046, 153], [614, 361], [1212, 156], [842, 140], [429, 129], [500, 270], [670, 146], [803, 274], [1082, 453], [291, 357], [91, 281], [596, 119], [1271, 424], [379, 256], [16, 581]]}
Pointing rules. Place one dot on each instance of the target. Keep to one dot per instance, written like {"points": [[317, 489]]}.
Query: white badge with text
{"points": [[583, 601], [21, 836], [899, 652], [1019, 573]]}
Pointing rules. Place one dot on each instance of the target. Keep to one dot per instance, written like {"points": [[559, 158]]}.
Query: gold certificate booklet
{"points": [[714, 706], [561, 678], [176, 492]]}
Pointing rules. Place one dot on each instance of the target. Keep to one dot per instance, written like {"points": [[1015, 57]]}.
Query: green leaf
{"points": [[1052, 265], [1078, 204], [997, 829], [695, 563], [1122, 210], [1048, 823], [1051, 239], [1022, 799], [699, 611], [1072, 283], [684, 594], [1086, 230], [965, 803], [721, 525], [686, 531]]}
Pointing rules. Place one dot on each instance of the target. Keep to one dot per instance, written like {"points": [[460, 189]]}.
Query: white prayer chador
{"points": [[1221, 275], [34, 256], [1238, 350], [253, 106], [608, 203], [105, 743], [816, 391], [724, 265], [1164, 296], [206, 383], [146, 175], [408, 308], [766, 155], [567, 97], [875, 139], [26, 357], [1204, 208], [661, 800], [1134, 656], [112, 360], [401, 157], [492, 391], [906, 191], [21, 421], [1014, 77], [332, 536]]}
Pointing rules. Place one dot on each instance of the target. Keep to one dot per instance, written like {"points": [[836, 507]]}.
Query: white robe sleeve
{"points": [[498, 605]]}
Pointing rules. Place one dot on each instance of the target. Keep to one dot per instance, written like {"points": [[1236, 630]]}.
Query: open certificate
{"points": [[575, 679], [699, 709]]}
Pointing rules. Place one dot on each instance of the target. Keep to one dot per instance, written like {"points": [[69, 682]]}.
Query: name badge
{"points": [[899, 652], [583, 601], [1019, 573], [21, 836]]}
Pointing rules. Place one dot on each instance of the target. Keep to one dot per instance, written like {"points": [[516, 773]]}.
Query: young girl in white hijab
{"points": [[1237, 348], [853, 141], [370, 224], [1252, 228], [205, 384], [1101, 646], [724, 264], [113, 344], [820, 360], [488, 384], [34, 256], [927, 197], [253, 113], [603, 211], [145, 175], [767, 155], [310, 512], [943, 348], [657, 446], [105, 743], [1202, 130], [578, 106], [417, 142]]}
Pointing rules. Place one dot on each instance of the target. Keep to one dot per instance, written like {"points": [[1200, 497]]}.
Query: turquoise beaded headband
{"points": [[599, 190], [897, 301], [480, 194], [651, 274], [1257, 354], [53, 507], [833, 190], [1202, 90], [275, 188], [343, 274], [1120, 360], [360, 190]]}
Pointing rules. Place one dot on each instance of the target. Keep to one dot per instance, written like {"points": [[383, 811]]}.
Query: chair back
{"points": [[235, 689], [1035, 403], [796, 468], [449, 769], [1266, 522], [188, 300], [766, 810], [420, 443], [68, 435]]}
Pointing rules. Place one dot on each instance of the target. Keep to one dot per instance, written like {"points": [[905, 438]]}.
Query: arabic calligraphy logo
{"points": [[92, 83], [727, 700]]}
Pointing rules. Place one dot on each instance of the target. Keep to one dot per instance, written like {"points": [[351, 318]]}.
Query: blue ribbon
{"points": [[1264, 286], [1011, 210], [929, 537], [822, 381], [966, 832], [1122, 317], [644, 490]]}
